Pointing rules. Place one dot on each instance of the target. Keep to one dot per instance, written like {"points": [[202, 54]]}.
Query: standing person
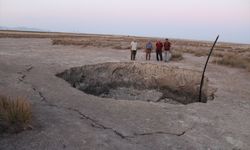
{"points": [[133, 49], [149, 47], [159, 46], [167, 52]]}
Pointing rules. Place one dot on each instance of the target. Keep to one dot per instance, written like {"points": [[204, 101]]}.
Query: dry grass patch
{"points": [[218, 54], [15, 114], [69, 41], [197, 53], [234, 60], [176, 55], [200, 53], [96, 42]]}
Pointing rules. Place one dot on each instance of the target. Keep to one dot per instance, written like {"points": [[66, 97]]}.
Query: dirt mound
{"points": [[138, 81]]}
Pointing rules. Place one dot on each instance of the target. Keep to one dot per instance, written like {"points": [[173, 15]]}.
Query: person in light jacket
{"points": [[133, 49]]}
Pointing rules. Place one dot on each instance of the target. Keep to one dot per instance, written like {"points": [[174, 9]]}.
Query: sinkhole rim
{"points": [[178, 84]]}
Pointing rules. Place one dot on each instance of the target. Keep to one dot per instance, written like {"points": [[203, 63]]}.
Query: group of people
{"points": [[149, 47]]}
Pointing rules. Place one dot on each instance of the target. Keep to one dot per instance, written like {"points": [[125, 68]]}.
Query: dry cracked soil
{"points": [[67, 118]]}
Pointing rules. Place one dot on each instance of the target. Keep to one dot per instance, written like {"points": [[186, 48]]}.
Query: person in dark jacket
{"points": [[159, 46]]}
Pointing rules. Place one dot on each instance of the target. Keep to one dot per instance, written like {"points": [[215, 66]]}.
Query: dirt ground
{"points": [[66, 118]]}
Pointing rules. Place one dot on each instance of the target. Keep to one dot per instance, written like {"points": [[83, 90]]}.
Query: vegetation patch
{"points": [[15, 114], [177, 55], [195, 52], [234, 60]]}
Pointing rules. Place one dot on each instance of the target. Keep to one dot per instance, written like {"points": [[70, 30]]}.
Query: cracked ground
{"points": [[66, 118]]}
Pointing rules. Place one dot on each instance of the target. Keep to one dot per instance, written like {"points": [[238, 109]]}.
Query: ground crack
{"points": [[96, 124], [22, 78], [156, 133], [135, 135], [29, 68], [43, 98], [23, 73]]}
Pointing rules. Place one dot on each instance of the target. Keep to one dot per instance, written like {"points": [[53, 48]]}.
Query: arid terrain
{"points": [[152, 105]]}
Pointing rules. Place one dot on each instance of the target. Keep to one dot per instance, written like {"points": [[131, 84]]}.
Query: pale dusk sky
{"points": [[185, 19]]}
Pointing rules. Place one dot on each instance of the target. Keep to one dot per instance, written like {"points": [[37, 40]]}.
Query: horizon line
{"points": [[110, 34]]}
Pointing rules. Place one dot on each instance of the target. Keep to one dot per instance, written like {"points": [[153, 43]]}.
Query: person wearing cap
{"points": [[167, 53]]}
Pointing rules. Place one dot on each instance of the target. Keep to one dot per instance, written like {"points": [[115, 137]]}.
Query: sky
{"points": [[183, 19]]}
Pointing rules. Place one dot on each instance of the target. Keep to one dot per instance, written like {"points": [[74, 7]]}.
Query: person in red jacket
{"points": [[167, 53], [159, 46]]}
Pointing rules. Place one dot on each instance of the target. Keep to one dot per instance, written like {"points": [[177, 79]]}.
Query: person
{"points": [[167, 53], [133, 49], [149, 47], [159, 46]]}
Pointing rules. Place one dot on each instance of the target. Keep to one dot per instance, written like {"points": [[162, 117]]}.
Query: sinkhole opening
{"points": [[139, 81]]}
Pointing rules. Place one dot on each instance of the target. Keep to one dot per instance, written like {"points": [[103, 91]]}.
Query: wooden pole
{"points": [[202, 78]]}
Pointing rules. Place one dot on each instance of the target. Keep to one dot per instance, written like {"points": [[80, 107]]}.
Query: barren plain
{"points": [[67, 118]]}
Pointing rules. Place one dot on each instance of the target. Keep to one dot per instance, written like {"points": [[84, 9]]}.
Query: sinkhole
{"points": [[138, 81]]}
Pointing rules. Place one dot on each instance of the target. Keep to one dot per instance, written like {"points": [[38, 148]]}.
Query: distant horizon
{"points": [[193, 19], [26, 29]]}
